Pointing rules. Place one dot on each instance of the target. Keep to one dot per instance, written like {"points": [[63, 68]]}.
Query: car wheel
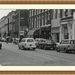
{"points": [[22, 47], [44, 48], [57, 50], [66, 51], [19, 47], [53, 48], [39, 46], [0, 47], [33, 49]]}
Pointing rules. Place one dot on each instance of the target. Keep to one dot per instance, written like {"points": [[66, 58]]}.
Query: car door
{"points": [[63, 44], [72, 44]]}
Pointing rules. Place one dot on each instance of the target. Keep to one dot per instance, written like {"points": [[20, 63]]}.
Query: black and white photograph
{"points": [[37, 37]]}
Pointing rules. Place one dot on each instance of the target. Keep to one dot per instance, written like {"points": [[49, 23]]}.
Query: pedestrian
{"points": [[7, 40]]}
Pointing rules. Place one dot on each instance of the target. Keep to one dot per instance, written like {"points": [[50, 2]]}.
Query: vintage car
{"points": [[38, 40], [27, 43], [15, 40], [44, 44], [50, 44], [66, 45]]}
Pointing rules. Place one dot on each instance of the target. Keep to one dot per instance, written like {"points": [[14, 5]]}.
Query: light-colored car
{"points": [[15, 40], [27, 43], [66, 45], [3, 39]]}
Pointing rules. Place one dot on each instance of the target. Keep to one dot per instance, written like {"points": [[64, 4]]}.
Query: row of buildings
{"points": [[56, 24]]}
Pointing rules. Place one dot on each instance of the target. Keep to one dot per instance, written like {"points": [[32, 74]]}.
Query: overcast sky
{"points": [[4, 13]]}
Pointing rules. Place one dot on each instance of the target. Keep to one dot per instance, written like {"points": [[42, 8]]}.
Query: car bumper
{"points": [[30, 46], [71, 49], [50, 46]]}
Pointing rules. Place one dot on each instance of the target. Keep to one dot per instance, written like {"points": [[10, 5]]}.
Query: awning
{"points": [[33, 32]]}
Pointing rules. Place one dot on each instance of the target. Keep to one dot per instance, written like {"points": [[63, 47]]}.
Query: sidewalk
{"points": [[9, 44]]}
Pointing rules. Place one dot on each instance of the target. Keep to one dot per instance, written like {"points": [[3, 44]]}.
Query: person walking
{"points": [[7, 40]]}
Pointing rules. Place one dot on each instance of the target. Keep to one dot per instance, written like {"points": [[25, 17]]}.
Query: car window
{"points": [[65, 42], [42, 41], [30, 40], [50, 41], [72, 42], [23, 40]]}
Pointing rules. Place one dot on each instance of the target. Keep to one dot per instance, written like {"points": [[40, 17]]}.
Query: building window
{"points": [[32, 12], [42, 19], [39, 21], [46, 10], [32, 23], [49, 16], [39, 11], [35, 12], [54, 14], [61, 13], [42, 10], [72, 10], [66, 12], [58, 12], [46, 18]]}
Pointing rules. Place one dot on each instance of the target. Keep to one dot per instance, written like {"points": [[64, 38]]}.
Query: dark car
{"points": [[44, 44], [38, 41], [50, 44]]}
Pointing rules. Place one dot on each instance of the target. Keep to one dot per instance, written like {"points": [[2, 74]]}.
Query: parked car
{"points": [[66, 45], [38, 40], [15, 40], [3, 39], [50, 44], [27, 43], [44, 43]]}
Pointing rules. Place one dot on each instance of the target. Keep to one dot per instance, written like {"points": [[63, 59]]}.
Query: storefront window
{"points": [[65, 32]]}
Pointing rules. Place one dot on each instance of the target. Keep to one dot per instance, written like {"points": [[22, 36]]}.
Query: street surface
{"points": [[10, 55]]}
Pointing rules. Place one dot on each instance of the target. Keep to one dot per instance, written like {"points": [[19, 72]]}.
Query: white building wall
{"points": [[73, 26]]}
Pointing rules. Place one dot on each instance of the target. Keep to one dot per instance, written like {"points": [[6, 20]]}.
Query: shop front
{"points": [[34, 33], [67, 28], [55, 34], [55, 30], [45, 31]]}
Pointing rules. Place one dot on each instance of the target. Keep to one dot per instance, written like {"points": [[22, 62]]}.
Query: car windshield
{"points": [[42, 41], [50, 41], [30, 40], [65, 42]]}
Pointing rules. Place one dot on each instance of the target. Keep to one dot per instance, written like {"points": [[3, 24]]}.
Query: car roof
{"points": [[40, 39], [68, 39], [28, 38]]}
